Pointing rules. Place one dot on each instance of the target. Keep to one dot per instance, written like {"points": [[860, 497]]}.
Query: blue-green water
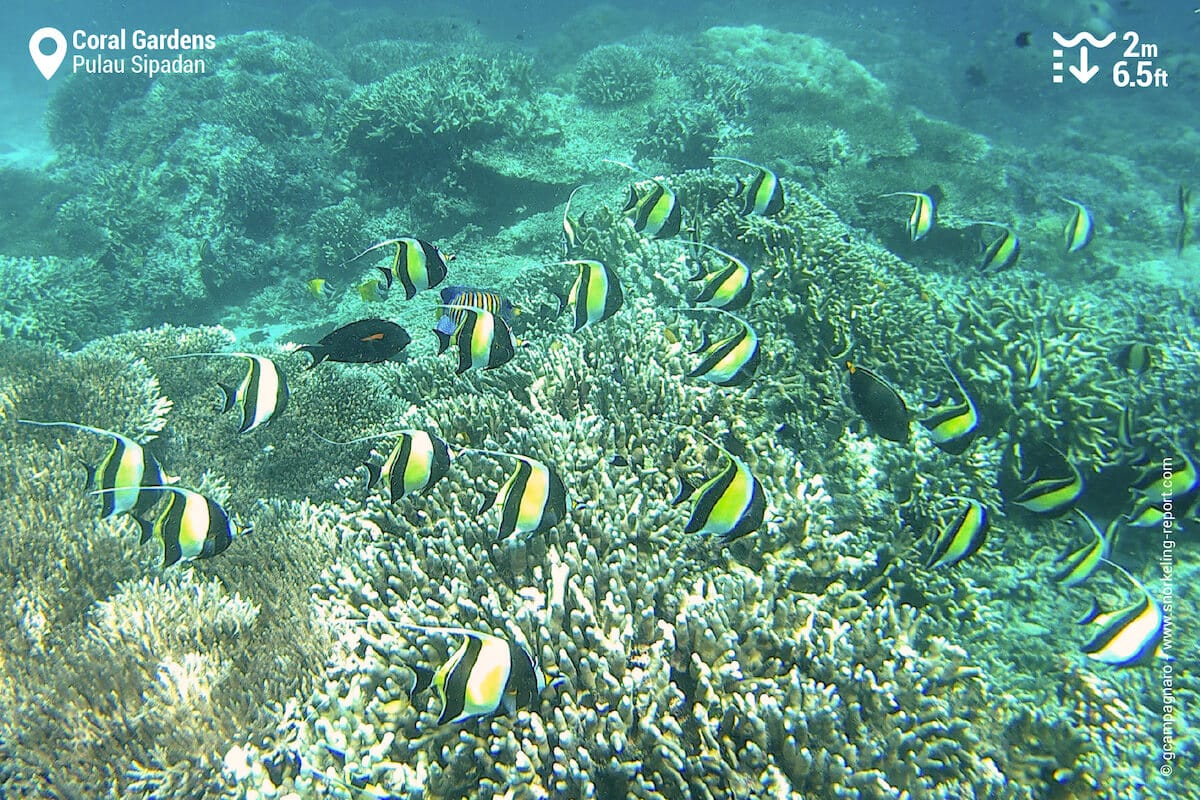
{"points": [[811, 374]]}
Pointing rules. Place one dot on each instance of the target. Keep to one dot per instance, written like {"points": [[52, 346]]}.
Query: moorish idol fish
{"points": [[1155, 487], [128, 477], [367, 341], [533, 499], [1137, 357], [191, 526], [1034, 368], [483, 339], [594, 297], [962, 537], [1146, 513], [316, 287], [448, 320], [764, 194], [878, 403], [1079, 564], [656, 213], [417, 264], [954, 428], [1002, 253], [729, 505], [731, 361], [486, 675], [1185, 211], [1080, 227], [924, 213], [570, 238], [262, 395], [1127, 635], [729, 289], [417, 461], [1052, 496]]}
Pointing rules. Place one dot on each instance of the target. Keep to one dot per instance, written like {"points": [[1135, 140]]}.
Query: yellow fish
{"points": [[369, 291], [316, 287]]}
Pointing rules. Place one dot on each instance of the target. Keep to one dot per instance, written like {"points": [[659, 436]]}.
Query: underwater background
{"points": [[835, 438]]}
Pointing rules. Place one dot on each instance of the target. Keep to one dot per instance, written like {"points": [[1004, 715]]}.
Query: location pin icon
{"points": [[48, 64]]}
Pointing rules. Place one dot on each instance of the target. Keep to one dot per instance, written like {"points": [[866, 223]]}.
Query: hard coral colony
{"points": [[658, 550]]}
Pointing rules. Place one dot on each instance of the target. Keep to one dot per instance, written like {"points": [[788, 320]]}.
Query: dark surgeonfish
{"points": [[417, 264], [262, 394], [763, 195], [1079, 564], [1128, 635], [953, 429], [729, 505], [368, 341], [962, 537], [654, 212], [594, 296], [482, 340], [1080, 227], [924, 213], [727, 289], [486, 675], [731, 361], [129, 477], [878, 403], [191, 526], [533, 499]]}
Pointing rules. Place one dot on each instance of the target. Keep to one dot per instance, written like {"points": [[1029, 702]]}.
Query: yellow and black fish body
{"points": [[533, 499], [416, 462], [1055, 495], [1078, 565], [731, 361], [962, 537], [262, 395], [924, 214], [878, 403], [595, 296], [486, 675], [1145, 513], [1002, 254], [1080, 227], [417, 264], [192, 526], [1129, 635], [1155, 486], [482, 340], [571, 226], [1137, 357], [729, 505], [126, 477], [954, 428], [727, 289], [763, 195], [655, 214]]}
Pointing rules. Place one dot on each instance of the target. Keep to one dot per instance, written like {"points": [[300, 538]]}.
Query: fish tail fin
{"points": [[228, 396], [562, 302], [422, 680], [90, 478], [146, 528], [443, 340], [739, 188], [489, 500], [387, 276], [374, 471], [316, 351], [684, 491]]}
